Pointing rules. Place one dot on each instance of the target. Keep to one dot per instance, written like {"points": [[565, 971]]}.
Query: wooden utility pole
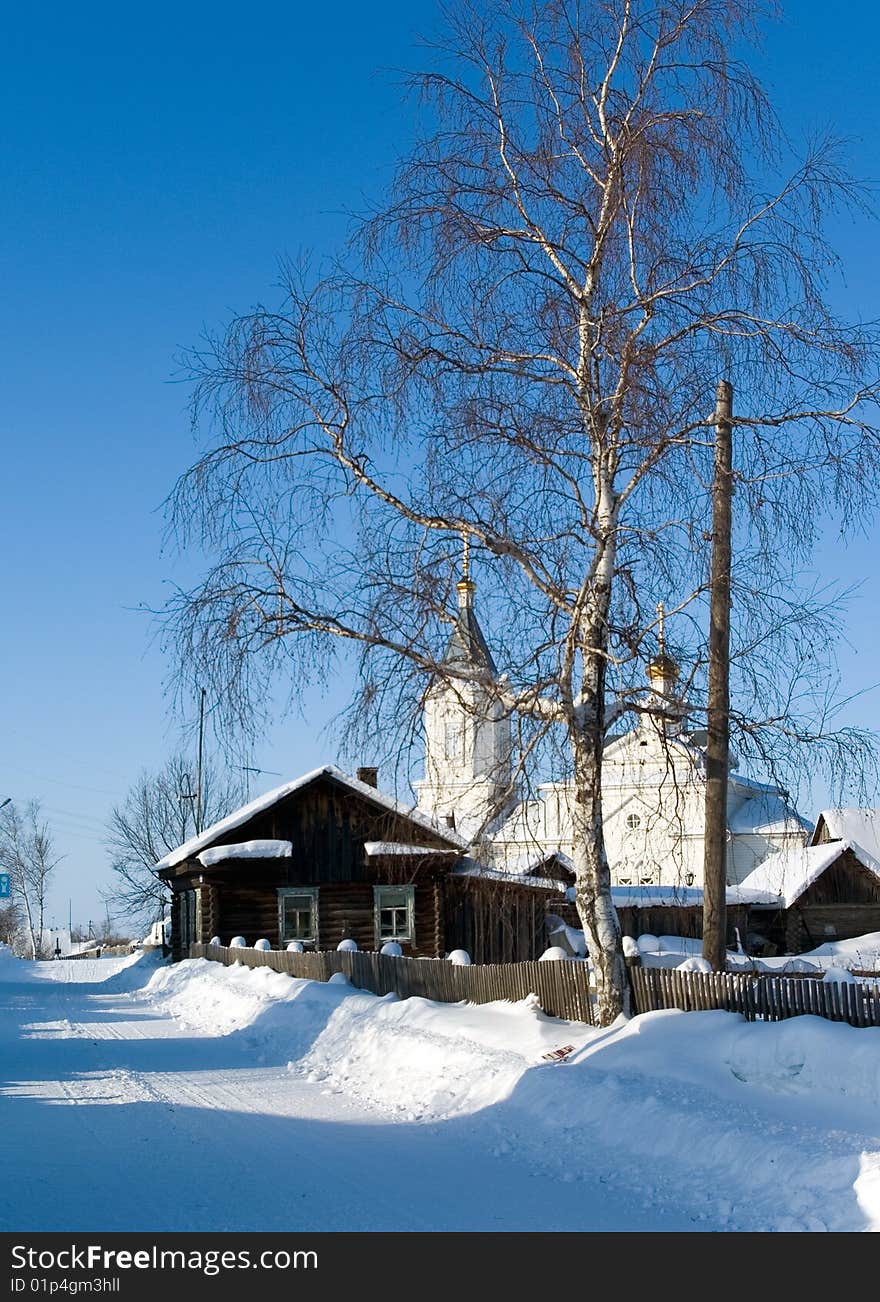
{"points": [[199, 801], [718, 747]]}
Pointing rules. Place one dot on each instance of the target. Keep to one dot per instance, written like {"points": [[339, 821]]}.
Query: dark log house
{"points": [[328, 858]]}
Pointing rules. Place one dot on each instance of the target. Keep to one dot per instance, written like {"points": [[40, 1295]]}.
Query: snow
{"points": [[391, 949], [198, 843], [861, 826], [262, 943], [669, 1122], [373, 848], [526, 864], [295, 947], [238, 942], [573, 938], [347, 946], [246, 850], [553, 954], [767, 814], [674, 897], [470, 868], [840, 975], [859, 951], [695, 963], [459, 957], [783, 877]]}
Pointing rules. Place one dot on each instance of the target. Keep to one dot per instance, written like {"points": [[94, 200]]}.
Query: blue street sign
{"points": [[4, 886]]}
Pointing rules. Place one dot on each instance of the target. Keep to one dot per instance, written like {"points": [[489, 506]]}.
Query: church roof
{"points": [[766, 813], [466, 644]]}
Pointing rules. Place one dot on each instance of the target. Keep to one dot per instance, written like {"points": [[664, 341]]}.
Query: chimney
{"points": [[450, 820], [369, 776]]}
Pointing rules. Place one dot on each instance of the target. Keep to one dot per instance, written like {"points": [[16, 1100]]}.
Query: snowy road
{"points": [[225, 1099], [116, 1118]]}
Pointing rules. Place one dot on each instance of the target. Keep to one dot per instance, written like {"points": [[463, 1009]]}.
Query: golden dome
{"points": [[662, 667]]}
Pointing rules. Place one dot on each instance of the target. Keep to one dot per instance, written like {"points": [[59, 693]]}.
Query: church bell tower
{"points": [[467, 733]]}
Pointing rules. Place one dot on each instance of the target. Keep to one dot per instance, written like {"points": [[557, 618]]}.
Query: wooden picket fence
{"points": [[563, 989], [757, 996]]}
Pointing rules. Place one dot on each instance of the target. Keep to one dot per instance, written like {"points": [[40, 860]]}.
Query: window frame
{"points": [[454, 740], [191, 916], [285, 892], [410, 893]]}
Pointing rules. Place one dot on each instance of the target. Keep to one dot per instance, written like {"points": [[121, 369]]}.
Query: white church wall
{"points": [[653, 782]]}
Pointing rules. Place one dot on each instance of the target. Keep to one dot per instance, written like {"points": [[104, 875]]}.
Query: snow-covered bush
{"points": [[338, 979], [695, 963], [215, 940], [262, 943], [295, 947], [841, 975], [648, 944], [391, 949], [630, 948], [460, 957], [238, 942], [346, 946], [553, 954]]}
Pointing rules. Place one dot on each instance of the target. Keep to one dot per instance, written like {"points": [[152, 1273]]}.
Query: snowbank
{"points": [[755, 1126], [115, 973]]}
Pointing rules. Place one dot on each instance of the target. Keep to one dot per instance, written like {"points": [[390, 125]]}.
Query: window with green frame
{"points": [[190, 917], [298, 914], [394, 908]]}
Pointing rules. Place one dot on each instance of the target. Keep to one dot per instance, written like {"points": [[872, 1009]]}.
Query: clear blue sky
{"points": [[155, 164]]}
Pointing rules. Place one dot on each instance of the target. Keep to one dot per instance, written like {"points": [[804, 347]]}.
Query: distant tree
{"points": [[10, 923], [602, 220], [28, 854], [157, 815]]}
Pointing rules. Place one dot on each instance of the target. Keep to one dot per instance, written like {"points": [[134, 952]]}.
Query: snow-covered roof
{"points": [[766, 813], [246, 850], [785, 876], [861, 826], [524, 864], [470, 868], [680, 897], [674, 897], [374, 848], [195, 844]]}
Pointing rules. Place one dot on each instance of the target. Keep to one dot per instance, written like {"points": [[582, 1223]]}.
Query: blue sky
{"points": [[155, 164]]}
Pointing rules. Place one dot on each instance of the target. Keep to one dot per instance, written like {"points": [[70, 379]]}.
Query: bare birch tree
{"points": [[27, 853], [601, 220], [157, 815]]}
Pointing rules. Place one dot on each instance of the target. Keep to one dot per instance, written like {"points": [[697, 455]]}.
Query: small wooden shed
{"points": [[328, 858], [817, 893]]}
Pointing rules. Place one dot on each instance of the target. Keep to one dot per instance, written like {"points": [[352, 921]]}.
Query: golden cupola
{"points": [[663, 672]]}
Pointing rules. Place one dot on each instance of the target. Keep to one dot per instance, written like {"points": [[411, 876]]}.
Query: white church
{"points": [[653, 782]]}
